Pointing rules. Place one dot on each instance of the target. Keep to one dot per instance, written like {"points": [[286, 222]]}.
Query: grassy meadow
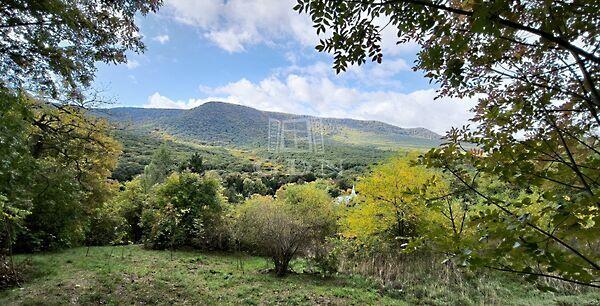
{"points": [[133, 275]]}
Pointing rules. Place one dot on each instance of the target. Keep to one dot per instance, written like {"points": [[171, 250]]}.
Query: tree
{"points": [[185, 210], [107, 226], [72, 157], [161, 165], [193, 164], [534, 66], [54, 159], [57, 158], [125, 211], [54, 168], [16, 166], [52, 46], [301, 216], [391, 202]]}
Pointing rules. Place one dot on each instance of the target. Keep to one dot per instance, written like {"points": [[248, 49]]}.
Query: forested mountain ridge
{"points": [[220, 123]]}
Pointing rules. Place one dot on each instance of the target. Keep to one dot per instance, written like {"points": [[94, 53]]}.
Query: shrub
{"points": [[186, 210], [107, 226], [326, 257], [300, 217], [255, 186], [131, 202]]}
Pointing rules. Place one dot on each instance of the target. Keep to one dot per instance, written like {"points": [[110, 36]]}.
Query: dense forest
{"points": [[126, 205]]}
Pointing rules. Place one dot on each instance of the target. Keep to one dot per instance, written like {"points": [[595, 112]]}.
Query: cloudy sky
{"points": [[261, 54]]}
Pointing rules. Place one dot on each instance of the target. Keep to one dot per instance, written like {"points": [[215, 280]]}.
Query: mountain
{"points": [[219, 123]]}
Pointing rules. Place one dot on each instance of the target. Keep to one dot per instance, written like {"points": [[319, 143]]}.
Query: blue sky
{"points": [[261, 54]]}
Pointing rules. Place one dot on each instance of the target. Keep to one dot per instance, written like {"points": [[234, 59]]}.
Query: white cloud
{"points": [[230, 40], [132, 64], [376, 75], [156, 100], [379, 75], [235, 24], [312, 90], [389, 39], [201, 13], [389, 68], [162, 39]]}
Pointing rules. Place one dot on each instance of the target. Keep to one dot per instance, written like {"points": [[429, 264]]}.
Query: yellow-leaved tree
{"points": [[391, 202]]}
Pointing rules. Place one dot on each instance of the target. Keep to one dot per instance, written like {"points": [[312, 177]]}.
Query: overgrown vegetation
{"points": [[534, 68], [125, 275], [525, 198]]}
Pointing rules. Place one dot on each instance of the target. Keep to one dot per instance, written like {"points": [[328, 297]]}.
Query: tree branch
{"points": [[505, 22], [543, 275], [495, 202]]}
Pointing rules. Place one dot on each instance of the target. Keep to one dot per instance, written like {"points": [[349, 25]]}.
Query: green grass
{"points": [[132, 275]]}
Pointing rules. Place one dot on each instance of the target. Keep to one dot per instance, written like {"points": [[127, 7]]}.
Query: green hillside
{"points": [[218, 123], [138, 147]]}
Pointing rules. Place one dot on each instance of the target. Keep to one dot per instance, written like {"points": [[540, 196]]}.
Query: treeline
{"points": [[342, 163], [135, 214], [54, 165]]}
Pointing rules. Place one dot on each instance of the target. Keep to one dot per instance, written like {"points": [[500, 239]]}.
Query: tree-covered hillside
{"points": [[338, 159], [219, 123]]}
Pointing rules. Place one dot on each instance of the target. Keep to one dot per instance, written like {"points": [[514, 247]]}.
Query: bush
{"points": [[300, 217], [107, 226], [131, 202], [326, 257], [186, 210]]}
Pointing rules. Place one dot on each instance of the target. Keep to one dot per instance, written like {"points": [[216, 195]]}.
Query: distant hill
{"points": [[219, 123]]}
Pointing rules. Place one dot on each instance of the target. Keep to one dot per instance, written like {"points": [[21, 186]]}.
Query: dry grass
{"points": [[426, 278]]}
